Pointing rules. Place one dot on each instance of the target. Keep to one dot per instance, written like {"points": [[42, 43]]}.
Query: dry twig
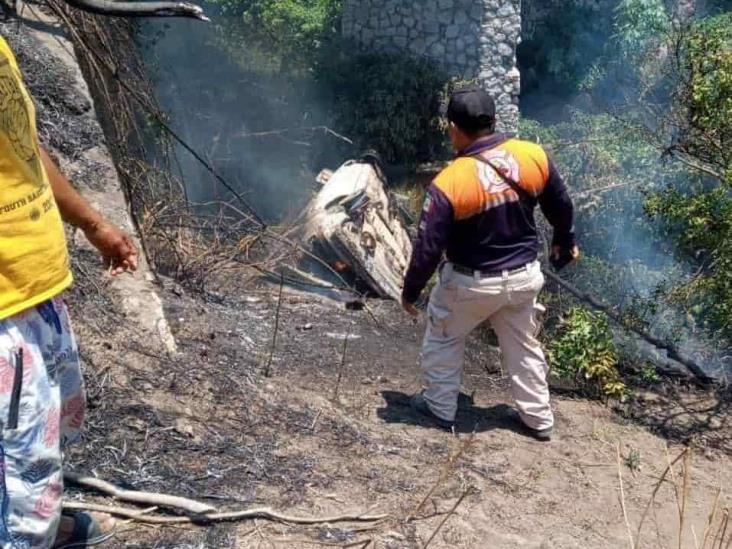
{"points": [[343, 363], [447, 468], [150, 498], [447, 516], [711, 518], [208, 518], [268, 366], [685, 494], [722, 531], [652, 499], [622, 498]]}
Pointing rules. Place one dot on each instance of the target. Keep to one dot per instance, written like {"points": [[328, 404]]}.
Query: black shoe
{"points": [[419, 404], [542, 435]]}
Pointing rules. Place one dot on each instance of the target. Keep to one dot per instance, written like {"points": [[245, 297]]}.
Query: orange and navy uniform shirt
{"points": [[474, 217]]}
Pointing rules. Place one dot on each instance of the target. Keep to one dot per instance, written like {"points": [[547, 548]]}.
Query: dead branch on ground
{"points": [[671, 350], [225, 516], [451, 512], [621, 497], [447, 468], [150, 498]]}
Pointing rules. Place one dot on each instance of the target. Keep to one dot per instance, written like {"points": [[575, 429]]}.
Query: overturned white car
{"points": [[354, 227]]}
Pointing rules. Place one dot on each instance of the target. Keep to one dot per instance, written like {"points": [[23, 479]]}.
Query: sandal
{"points": [[86, 532]]}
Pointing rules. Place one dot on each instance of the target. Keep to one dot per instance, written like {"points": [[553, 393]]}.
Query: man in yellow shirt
{"points": [[41, 391]]}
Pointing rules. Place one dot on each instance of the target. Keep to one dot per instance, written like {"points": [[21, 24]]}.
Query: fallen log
{"points": [[671, 350]]}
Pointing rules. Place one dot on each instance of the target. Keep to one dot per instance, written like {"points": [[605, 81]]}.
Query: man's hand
{"points": [[558, 252], [410, 309], [116, 247]]}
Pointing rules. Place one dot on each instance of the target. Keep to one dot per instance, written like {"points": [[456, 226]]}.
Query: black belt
{"points": [[485, 274]]}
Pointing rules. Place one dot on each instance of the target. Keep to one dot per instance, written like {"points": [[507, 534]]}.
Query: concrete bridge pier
{"points": [[470, 39]]}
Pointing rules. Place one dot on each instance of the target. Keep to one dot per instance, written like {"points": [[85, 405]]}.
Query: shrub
{"points": [[389, 103], [294, 29], [584, 352]]}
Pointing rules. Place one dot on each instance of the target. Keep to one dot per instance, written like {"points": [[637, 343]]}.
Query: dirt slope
{"points": [[209, 424]]}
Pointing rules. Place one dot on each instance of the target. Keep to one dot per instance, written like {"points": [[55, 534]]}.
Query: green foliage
{"points": [[638, 21], [707, 92], [702, 225], [649, 374], [389, 103], [633, 460], [295, 29], [583, 351], [608, 168], [675, 99], [384, 102], [698, 213]]}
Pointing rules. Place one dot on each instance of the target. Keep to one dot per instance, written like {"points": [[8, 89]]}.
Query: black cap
{"points": [[471, 109]]}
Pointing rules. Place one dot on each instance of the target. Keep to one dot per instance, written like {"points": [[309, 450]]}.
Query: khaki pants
{"points": [[458, 304]]}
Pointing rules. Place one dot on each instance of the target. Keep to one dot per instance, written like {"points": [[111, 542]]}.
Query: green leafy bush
{"points": [[389, 103], [702, 225], [707, 93], [583, 352], [296, 29]]}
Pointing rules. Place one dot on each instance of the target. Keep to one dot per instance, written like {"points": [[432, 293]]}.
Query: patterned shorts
{"points": [[41, 409]]}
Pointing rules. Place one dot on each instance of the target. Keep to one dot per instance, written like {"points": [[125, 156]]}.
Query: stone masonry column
{"points": [[470, 39]]}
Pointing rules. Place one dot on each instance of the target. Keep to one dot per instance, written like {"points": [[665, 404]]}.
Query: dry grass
{"points": [[715, 531]]}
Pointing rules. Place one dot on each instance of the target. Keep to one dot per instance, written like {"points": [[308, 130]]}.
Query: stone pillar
{"points": [[470, 39]]}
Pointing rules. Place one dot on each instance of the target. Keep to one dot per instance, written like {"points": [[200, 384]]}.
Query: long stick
{"points": [[653, 497], [343, 363], [267, 368], [685, 494], [622, 499], [444, 520], [671, 350], [710, 519], [149, 498], [259, 512], [724, 530], [447, 467]]}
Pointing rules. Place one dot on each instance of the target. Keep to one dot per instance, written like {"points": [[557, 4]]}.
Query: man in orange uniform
{"points": [[41, 391], [480, 211]]}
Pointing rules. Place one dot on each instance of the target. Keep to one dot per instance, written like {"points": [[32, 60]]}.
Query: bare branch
{"points": [[140, 9], [138, 497], [260, 513]]}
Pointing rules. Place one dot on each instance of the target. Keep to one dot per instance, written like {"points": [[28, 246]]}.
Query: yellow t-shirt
{"points": [[34, 261]]}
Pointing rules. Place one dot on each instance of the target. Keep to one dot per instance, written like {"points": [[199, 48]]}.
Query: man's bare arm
{"points": [[116, 247]]}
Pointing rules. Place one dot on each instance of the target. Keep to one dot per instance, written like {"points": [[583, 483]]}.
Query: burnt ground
{"points": [[208, 423]]}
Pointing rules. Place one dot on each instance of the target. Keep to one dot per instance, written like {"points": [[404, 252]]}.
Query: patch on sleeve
{"points": [[426, 210], [427, 204]]}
